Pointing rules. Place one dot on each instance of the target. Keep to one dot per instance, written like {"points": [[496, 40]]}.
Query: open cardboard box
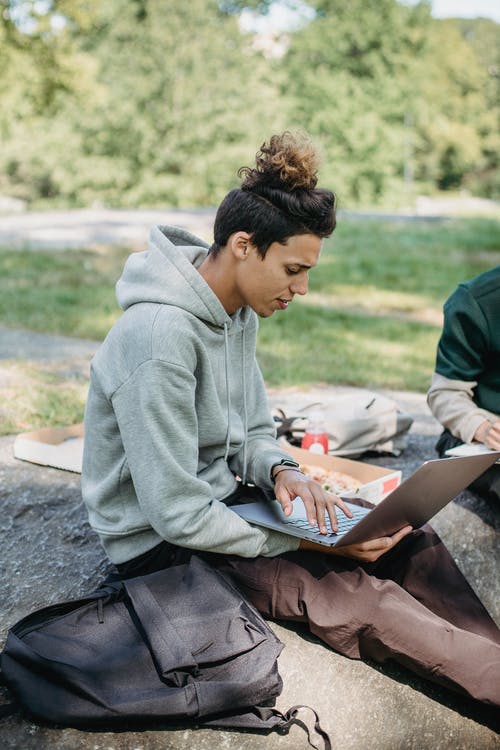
{"points": [[377, 481], [62, 448]]}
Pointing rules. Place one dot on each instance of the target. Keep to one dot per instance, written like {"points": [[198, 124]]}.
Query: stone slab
{"points": [[50, 553]]}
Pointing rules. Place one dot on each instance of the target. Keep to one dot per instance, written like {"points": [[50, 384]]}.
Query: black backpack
{"points": [[174, 646]]}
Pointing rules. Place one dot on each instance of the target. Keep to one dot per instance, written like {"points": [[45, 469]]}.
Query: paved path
{"points": [[86, 227], [93, 226], [22, 344]]}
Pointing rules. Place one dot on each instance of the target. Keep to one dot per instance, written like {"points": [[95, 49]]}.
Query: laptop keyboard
{"points": [[344, 523]]}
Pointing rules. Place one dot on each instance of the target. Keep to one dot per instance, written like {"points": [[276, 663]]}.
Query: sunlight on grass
{"points": [[317, 345], [65, 292], [34, 396], [424, 258], [369, 299], [372, 317]]}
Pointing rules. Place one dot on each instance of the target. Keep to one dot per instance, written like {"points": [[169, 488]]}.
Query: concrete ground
{"points": [[49, 553]]}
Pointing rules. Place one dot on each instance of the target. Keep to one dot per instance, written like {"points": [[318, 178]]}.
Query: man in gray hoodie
{"points": [[177, 428]]}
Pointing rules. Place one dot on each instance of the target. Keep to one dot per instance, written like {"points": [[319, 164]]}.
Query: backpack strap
{"points": [[289, 719]]}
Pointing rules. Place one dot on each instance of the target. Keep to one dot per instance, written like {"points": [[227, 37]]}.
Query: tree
{"points": [[142, 102], [42, 72], [483, 35], [452, 116], [169, 116], [392, 93], [347, 74]]}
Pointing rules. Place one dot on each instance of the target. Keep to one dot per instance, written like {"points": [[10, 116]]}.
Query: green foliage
{"points": [[150, 103], [483, 36], [389, 91], [35, 396], [163, 121]]}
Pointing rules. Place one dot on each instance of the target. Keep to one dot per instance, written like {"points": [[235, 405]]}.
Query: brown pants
{"points": [[413, 606]]}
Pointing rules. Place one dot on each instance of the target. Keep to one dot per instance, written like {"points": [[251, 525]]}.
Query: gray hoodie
{"points": [[176, 409]]}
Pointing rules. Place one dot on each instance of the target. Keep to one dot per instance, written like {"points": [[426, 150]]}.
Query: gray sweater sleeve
{"points": [[460, 363], [452, 404], [157, 419]]}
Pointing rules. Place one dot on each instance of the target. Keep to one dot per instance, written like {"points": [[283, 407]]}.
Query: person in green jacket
{"points": [[464, 395]]}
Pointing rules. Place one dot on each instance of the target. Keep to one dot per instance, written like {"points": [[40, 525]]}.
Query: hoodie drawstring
{"points": [[226, 368], [245, 410], [245, 413]]}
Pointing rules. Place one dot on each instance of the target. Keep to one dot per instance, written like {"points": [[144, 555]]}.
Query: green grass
{"points": [[327, 346], [63, 292], [372, 317], [373, 313], [35, 396]]}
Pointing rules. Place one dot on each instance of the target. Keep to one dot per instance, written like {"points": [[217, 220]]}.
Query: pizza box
{"points": [[377, 481], [60, 447]]}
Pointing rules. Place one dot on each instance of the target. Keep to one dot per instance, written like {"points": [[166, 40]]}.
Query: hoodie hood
{"points": [[166, 273]]}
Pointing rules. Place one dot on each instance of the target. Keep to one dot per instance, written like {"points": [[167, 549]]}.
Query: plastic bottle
{"points": [[315, 437]]}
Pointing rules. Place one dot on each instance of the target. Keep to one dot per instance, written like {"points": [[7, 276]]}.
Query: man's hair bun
{"points": [[288, 162], [278, 198]]}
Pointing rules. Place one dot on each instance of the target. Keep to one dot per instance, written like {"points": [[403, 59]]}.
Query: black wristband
{"points": [[286, 468], [287, 462]]}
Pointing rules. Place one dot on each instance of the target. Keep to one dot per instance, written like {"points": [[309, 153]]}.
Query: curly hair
{"points": [[278, 198]]}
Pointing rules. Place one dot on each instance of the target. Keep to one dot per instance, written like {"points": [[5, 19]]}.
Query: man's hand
{"points": [[365, 551], [291, 483], [488, 433]]}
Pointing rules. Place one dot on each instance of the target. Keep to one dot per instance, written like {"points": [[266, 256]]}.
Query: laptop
{"points": [[413, 503]]}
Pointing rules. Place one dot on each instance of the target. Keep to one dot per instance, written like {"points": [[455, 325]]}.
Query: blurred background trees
{"points": [[146, 102]]}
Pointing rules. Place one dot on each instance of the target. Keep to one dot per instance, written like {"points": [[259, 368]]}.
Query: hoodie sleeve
{"points": [[155, 409], [460, 359], [452, 404]]}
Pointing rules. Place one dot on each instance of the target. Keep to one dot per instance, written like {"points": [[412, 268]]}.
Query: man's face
{"points": [[270, 284]]}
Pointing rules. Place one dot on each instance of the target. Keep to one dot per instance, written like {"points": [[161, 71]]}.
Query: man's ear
{"points": [[239, 244]]}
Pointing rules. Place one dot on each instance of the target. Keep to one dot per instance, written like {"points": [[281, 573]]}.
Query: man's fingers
{"points": [[327, 503], [383, 543], [389, 541], [492, 439], [317, 502], [332, 514], [491, 436], [284, 500], [334, 502], [375, 544], [400, 534], [310, 504], [371, 551], [313, 513], [340, 504], [316, 507]]}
